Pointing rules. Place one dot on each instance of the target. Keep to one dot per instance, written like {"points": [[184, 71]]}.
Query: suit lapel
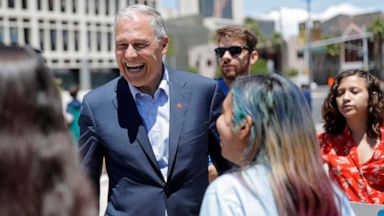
{"points": [[179, 101], [129, 118]]}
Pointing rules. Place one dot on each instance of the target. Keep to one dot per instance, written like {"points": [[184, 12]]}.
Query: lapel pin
{"points": [[179, 105]]}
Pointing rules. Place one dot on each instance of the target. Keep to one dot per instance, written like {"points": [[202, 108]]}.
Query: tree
{"points": [[276, 40], [377, 28], [252, 26], [268, 48]]}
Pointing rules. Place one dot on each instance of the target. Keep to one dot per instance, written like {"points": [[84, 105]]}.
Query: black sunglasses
{"points": [[233, 50]]}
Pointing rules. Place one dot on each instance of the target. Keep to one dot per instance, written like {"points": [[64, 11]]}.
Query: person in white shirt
{"points": [[266, 128]]}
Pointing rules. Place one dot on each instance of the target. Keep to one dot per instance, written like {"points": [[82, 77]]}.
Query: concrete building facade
{"points": [[76, 37]]}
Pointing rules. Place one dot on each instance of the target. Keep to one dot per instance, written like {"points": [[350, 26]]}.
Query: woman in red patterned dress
{"points": [[352, 146]]}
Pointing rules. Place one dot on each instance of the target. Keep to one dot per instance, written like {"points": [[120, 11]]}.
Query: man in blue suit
{"points": [[154, 126]]}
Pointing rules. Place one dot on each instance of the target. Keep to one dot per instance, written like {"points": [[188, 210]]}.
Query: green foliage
{"points": [[276, 39], [377, 27], [192, 69], [332, 49], [218, 73], [260, 67], [290, 72], [252, 26], [171, 47]]}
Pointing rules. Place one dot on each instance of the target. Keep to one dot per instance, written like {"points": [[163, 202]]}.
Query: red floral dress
{"points": [[360, 182]]}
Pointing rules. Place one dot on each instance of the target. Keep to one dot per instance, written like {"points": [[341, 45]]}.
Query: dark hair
{"points": [[39, 166], [73, 90], [335, 122], [233, 31]]}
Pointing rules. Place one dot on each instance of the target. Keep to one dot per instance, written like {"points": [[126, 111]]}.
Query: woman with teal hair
{"points": [[267, 129]]}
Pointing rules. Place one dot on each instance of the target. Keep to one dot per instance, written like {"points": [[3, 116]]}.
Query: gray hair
{"points": [[156, 22]]}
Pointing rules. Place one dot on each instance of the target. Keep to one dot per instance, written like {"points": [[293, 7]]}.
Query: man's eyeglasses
{"points": [[233, 50]]}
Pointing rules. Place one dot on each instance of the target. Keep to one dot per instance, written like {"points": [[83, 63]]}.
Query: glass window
{"points": [[89, 40], [98, 39], [352, 51], [86, 6], [27, 35], [76, 37], [1, 35], [74, 6], [14, 35], [38, 4], [62, 5], [65, 40], [109, 42], [41, 36], [107, 7], [53, 34], [96, 7], [11, 3], [117, 6], [51, 5], [24, 4]]}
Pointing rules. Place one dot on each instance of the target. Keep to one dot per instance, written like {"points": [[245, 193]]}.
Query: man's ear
{"points": [[165, 42], [245, 129], [254, 56]]}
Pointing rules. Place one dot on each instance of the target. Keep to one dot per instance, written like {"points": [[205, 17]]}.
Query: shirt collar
{"points": [[164, 85]]}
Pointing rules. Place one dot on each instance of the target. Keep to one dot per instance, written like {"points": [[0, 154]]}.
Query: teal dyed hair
{"points": [[283, 138], [272, 101]]}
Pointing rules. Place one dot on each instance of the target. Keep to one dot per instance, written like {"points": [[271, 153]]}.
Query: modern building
{"points": [[267, 26], [191, 27], [351, 34], [203, 58], [75, 36], [338, 44], [215, 13], [227, 9]]}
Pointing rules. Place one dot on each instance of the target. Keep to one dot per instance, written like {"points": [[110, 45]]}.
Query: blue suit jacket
{"points": [[111, 128]]}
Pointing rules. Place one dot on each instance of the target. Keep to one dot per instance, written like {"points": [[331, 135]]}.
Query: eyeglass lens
{"points": [[233, 50]]}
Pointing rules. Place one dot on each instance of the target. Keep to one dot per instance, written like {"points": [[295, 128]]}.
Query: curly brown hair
{"points": [[335, 122]]}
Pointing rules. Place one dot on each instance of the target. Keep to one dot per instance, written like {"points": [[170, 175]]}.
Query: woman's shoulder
{"points": [[223, 184], [247, 191], [242, 183], [327, 140]]}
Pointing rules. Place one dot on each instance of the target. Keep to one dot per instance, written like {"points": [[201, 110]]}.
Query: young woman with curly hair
{"points": [[352, 146]]}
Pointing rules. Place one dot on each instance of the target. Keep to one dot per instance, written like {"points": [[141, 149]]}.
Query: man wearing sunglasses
{"points": [[235, 53]]}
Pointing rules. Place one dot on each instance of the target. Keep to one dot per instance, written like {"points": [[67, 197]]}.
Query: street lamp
{"points": [[307, 56]]}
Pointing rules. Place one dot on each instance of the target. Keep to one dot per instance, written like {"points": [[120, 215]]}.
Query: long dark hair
{"points": [[335, 122], [39, 166]]}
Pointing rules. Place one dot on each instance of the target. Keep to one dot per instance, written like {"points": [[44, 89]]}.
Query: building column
{"points": [[84, 73], [7, 32], [34, 40]]}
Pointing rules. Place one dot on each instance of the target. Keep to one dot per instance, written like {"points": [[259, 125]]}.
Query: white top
{"points": [[231, 194]]}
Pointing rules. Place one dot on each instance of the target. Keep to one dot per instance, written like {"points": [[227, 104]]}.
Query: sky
{"points": [[294, 11]]}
